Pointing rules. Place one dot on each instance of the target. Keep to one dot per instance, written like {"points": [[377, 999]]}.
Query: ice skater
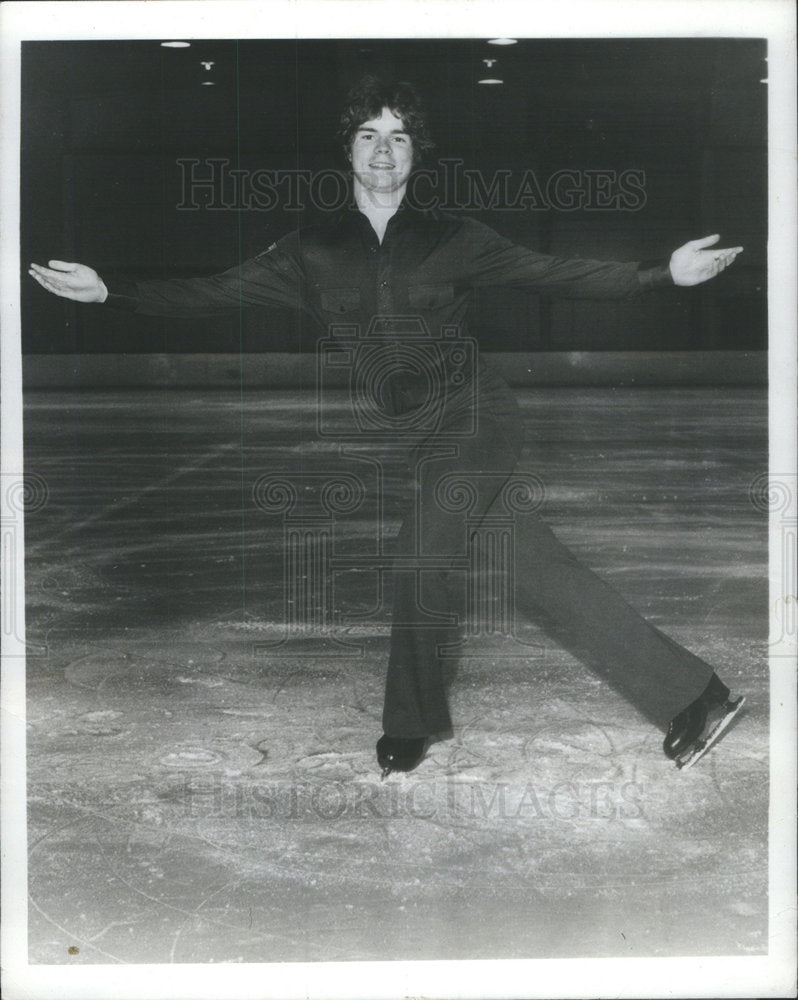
{"points": [[381, 258]]}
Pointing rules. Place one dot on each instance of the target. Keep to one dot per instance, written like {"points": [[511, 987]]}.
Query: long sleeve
{"points": [[495, 260], [274, 277]]}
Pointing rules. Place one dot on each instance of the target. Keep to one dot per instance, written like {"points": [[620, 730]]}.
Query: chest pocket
{"points": [[430, 296], [340, 300]]}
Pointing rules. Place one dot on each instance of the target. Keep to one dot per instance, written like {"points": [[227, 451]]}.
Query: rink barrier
{"points": [[290, 371]]}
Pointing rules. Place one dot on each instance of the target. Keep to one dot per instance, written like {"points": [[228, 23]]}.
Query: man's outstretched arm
{"points": [[274, 277], [494, 260]]}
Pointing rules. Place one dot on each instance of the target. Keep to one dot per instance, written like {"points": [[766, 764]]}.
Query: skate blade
{"points": [[712, 737]]}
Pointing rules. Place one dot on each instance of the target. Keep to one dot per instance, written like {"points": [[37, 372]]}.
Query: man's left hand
{"points": [[694, 263]]}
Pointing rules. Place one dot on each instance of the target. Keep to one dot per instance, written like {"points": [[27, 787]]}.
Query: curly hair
{"points": [[367, 99]]}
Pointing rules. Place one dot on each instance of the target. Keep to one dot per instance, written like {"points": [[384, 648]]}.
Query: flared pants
{"points": [[460, 477]]}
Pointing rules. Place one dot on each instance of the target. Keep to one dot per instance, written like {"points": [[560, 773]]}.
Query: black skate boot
{"points": [[396, 754], [692, 732]]}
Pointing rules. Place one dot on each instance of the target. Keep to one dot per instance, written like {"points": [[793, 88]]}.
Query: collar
{"points": [[405, 213]]}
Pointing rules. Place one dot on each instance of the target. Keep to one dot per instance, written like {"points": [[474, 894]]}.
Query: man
{"points": [[379, 259]]}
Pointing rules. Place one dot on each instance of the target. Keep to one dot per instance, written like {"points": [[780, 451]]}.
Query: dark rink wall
{"points": [[615, 149]]}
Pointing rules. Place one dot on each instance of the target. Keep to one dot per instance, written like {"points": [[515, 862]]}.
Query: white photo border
{"points": [[765, 976]]}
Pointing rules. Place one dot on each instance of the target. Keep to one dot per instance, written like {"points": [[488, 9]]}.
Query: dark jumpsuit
{"points": [[425, 269]]}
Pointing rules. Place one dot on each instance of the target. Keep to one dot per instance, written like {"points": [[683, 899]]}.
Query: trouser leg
{"points": [[428, 602], [655, 673]]}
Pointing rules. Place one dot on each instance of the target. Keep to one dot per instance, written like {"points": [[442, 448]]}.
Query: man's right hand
{"points": [[71, 281]]}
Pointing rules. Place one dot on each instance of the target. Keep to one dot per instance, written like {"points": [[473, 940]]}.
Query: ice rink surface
{"points": [[203, 785]]}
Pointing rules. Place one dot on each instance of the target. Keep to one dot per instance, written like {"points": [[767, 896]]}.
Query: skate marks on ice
{"points": [[194, 800], [540, 830]]}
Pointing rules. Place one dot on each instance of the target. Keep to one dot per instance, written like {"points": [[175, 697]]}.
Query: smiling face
{"points": [[382, 154]]}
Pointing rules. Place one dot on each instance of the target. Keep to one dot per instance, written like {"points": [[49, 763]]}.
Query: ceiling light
{"points": [[175, 45], [208, 83], [490, 81], [502, 41]]}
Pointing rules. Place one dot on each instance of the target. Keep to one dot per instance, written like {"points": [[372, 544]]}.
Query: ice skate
{"points": [[396, 754], [696, 729]]}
